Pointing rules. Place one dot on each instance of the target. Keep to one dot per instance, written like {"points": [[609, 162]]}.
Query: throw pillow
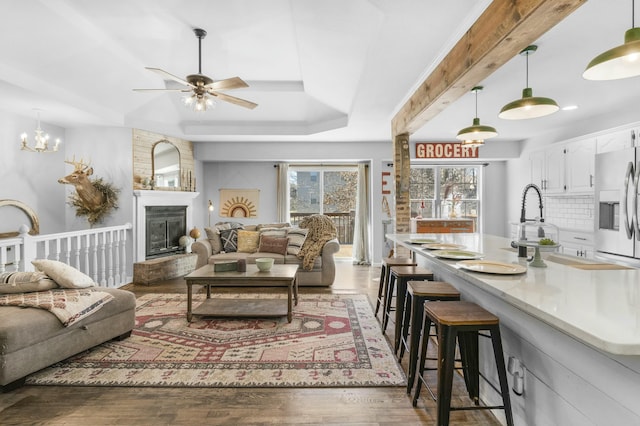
{"points": [[273, 245], [296, 239], [66, 276], [248, 241], [25, 282], [273, 232], [213, 235], [229, 239]]}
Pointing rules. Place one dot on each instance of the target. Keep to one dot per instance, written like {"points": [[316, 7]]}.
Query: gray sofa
{"points": [[32, 339], [322, 274]]}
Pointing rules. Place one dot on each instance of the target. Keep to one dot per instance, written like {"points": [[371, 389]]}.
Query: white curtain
{"points": [[282, 197], [361, 244]]}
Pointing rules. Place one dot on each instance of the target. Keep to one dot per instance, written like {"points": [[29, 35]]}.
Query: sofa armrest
{"points": [[330, 248], [204, 251]]}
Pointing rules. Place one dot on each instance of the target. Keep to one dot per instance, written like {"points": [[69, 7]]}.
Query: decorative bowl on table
{"points": [[264, 263]]}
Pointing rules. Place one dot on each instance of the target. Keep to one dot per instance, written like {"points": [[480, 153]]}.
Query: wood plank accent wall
{"points": [[143, 142]]}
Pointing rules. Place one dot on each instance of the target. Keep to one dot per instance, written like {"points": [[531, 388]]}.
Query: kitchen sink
{"points": [[587, 264]]}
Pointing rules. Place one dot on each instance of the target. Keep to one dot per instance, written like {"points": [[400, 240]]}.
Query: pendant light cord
{"points": [[527, 72], [199, 55], [476, 103]]}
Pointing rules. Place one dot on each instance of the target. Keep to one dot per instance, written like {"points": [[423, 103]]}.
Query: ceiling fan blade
{"points": [[169, 76], [227, 84], [161, 90], [233, 100]]}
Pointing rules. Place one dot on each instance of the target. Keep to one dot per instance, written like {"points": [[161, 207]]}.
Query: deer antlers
{"points": [[79, 165]]}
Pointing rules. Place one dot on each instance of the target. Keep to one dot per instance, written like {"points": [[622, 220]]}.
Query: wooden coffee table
{"points": [[278, 276]]}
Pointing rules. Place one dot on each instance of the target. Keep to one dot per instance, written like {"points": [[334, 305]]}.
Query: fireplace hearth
{"points": [[164, 227]]}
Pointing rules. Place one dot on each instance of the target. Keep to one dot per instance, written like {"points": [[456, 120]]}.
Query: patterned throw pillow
{"points": [[273, 232], [273, 245], [65, 275], [25, 282], [296, 239], [248, 241], [229, 239]]}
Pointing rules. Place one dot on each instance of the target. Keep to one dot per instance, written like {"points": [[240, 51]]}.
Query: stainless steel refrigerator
{"points": [[617, 227]]}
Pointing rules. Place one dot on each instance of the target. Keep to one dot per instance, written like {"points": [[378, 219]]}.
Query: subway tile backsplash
{"points": [[573, 212]]}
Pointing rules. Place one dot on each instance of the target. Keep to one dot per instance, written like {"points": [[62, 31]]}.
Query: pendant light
{"points": [[529, 106], [620, 62], [476, 134]]}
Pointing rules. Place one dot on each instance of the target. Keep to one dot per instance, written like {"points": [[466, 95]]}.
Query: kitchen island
{"points": [[575, 330]]}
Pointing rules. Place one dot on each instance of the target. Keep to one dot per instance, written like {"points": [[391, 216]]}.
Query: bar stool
{"points": [[400, 275], [387, 263], [419, 292], [461, 321]]}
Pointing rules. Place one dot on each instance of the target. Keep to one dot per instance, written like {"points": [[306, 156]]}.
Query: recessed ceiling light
{"points": [[570, 107]]}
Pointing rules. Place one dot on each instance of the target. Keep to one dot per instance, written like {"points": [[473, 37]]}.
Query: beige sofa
{"points": [[211, 250]]}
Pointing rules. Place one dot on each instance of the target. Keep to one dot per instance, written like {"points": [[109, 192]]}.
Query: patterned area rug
{"points": [[333, 341]]}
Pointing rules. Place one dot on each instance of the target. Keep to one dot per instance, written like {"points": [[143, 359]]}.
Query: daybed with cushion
{"points": [[81, 317], [312, 246]]}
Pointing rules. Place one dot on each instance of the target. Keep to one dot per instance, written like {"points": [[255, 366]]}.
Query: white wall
{"points": [[250, 165], [30, 177]]}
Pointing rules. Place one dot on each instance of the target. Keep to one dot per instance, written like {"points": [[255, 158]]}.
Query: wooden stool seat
{"points": [[461, 321], [387, 263], [418, 292], [400, 275]]}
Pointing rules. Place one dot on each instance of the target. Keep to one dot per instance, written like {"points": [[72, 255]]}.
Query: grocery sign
{"points": [[445, 150]]}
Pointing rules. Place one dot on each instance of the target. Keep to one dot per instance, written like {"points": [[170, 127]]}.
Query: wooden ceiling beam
{"points": [[501, 32]]}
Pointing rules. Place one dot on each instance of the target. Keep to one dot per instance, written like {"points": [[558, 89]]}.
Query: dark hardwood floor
{"points": [[67, 405]]}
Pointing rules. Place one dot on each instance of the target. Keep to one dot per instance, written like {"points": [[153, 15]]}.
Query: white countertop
{"points": [[598, 307]]}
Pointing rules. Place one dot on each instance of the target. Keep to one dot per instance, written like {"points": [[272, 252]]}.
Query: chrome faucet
{"points": [[522, 250]]}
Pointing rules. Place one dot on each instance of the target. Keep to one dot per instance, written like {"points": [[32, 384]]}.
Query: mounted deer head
{"points": [[90, 196]]}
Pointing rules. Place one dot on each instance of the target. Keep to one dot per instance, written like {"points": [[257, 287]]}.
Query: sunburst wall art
{"points": [[239, 202]]}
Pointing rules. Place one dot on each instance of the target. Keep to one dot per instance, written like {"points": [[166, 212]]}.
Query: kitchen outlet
{"points": [[516, 369]]}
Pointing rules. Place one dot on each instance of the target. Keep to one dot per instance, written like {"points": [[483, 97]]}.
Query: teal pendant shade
{"points": [[476, 132], [620, 62], [528, 106]]}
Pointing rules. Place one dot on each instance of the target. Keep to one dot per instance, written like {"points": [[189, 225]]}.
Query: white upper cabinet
{"points": [[580, 165], [617, 140], [565, 168], [547, 169]]}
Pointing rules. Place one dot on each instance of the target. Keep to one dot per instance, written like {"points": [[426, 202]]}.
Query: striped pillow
{"points": [[296, 239]]}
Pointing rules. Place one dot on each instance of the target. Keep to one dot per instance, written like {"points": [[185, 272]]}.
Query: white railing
{"points": [[100, 253]]}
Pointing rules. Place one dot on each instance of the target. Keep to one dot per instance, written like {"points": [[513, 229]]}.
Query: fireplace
{"points": [[164, 227], [146, 198]]}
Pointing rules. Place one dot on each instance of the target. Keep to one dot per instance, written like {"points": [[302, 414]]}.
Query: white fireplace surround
{"points": [[143, 199]]}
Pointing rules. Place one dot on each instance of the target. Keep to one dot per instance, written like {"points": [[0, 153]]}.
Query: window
{"points": [[445, 191], [329, 190]]}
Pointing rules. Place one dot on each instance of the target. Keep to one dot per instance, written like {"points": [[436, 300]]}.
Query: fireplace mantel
{"points": [[144, 198]]}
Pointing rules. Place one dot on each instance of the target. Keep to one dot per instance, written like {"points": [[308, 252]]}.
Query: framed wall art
{"points": [[239, 202]]}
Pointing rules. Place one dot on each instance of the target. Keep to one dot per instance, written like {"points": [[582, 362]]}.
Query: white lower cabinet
{"points": [[576, 243]]}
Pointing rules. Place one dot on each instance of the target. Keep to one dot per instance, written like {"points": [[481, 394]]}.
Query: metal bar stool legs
{"points": [[387, 263], [461, 322], [419, 292], [401, 275]]}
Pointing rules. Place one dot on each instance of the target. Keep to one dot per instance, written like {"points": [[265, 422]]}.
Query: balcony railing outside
{"points": [[343, 222]]}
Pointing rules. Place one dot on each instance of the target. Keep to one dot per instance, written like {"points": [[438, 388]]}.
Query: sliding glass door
{"points": [[328, 190]]}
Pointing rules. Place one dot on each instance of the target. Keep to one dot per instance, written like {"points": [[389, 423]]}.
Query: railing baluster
{"points": [[77, 248]]}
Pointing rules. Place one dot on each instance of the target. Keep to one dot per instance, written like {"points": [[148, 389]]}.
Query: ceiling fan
{"points": [[203, 88]]}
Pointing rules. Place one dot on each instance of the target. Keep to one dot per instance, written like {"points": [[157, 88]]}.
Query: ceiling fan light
{"points": [[476, 132], [620, 62], [528, 107]]}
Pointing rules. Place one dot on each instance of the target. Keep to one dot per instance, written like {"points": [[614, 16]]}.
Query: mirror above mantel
{"points": [[162, 163], [166, 165]]}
